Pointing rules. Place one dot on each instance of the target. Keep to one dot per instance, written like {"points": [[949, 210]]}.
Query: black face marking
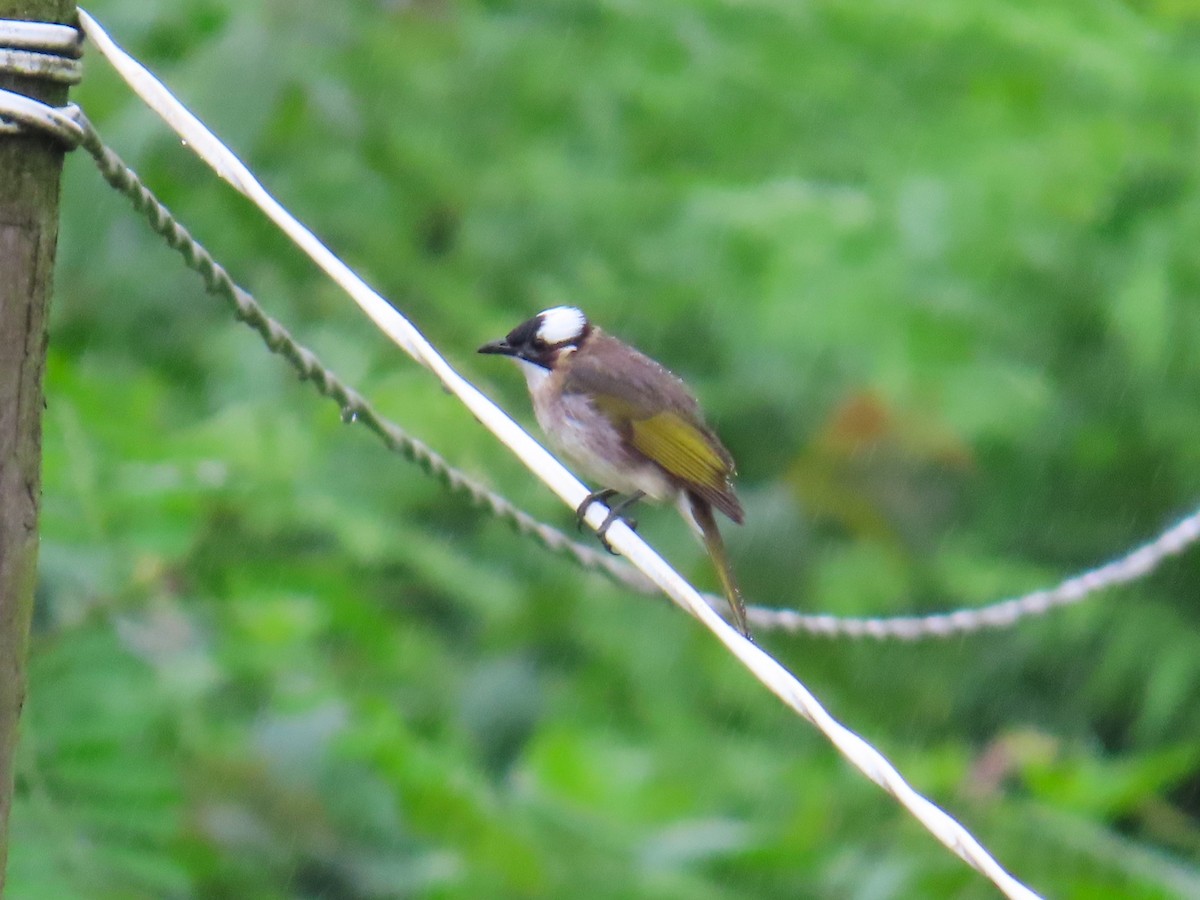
{"points": [[525, 334], [525, 342]]}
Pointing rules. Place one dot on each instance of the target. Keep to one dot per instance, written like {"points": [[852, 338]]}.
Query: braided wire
{"points": [[1138, 563], [355, 407]]}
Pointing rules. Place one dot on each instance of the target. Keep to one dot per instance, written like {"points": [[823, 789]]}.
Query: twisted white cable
{"points": [[782, 683]]}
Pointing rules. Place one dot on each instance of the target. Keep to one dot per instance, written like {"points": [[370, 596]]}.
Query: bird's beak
{"points": [[501, 347]]}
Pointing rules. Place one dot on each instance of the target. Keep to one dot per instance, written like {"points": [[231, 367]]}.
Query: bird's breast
{"points": [[589, 440]]}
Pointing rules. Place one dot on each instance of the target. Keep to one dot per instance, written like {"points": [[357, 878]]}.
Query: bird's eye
{"points": [[539, 344]]}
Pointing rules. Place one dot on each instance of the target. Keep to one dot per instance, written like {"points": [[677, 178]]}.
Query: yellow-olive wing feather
{"points": [[681, 448], [660, 420]]}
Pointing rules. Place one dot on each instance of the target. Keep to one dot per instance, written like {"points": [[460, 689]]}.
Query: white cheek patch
{"points": [[561, 324]]}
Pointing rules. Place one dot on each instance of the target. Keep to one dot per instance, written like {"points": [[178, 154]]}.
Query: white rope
{"points": [[542, 464]]}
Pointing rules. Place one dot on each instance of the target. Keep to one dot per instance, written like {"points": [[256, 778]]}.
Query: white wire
{"points": [[39, 50], [20, 114], [47, 66], [782, 683], [44, 37]]}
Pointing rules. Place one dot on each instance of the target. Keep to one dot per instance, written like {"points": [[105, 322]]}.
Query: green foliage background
{"points": [[932, 268]]}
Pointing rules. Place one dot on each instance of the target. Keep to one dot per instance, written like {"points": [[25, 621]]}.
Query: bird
{"points": [[630, 424]]}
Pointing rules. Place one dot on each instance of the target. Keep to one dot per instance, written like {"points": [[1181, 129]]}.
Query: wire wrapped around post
{"points": [[40, 51]]}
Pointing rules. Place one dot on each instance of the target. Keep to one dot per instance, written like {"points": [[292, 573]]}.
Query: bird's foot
{"points": [[602, 531], [582, 508], [616, 513]]}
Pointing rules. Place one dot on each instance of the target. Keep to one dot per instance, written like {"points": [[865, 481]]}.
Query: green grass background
{"points": [[932, 268]]}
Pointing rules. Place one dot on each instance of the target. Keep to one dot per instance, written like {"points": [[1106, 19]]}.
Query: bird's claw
{"points": [[618, 512], [602, 531], [582, 508], [614, 513]]}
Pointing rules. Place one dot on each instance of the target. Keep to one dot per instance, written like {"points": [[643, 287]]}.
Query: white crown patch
{"points": [[561, 324]]}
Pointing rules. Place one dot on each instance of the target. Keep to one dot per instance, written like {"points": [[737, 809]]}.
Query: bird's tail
{"points": [[702, 515]]}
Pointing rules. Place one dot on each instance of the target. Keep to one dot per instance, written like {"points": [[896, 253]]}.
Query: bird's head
{"points": [[545, 339]]}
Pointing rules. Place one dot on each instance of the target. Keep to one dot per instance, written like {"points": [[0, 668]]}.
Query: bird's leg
{"points": [[582, 508], [616, 513]]}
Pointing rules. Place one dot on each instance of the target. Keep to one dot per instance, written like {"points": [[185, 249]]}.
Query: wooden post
{"points": [[30, 167]]}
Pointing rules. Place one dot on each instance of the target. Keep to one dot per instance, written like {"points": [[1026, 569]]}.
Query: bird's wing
{"points": [[692, 454], [661, 420]]}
